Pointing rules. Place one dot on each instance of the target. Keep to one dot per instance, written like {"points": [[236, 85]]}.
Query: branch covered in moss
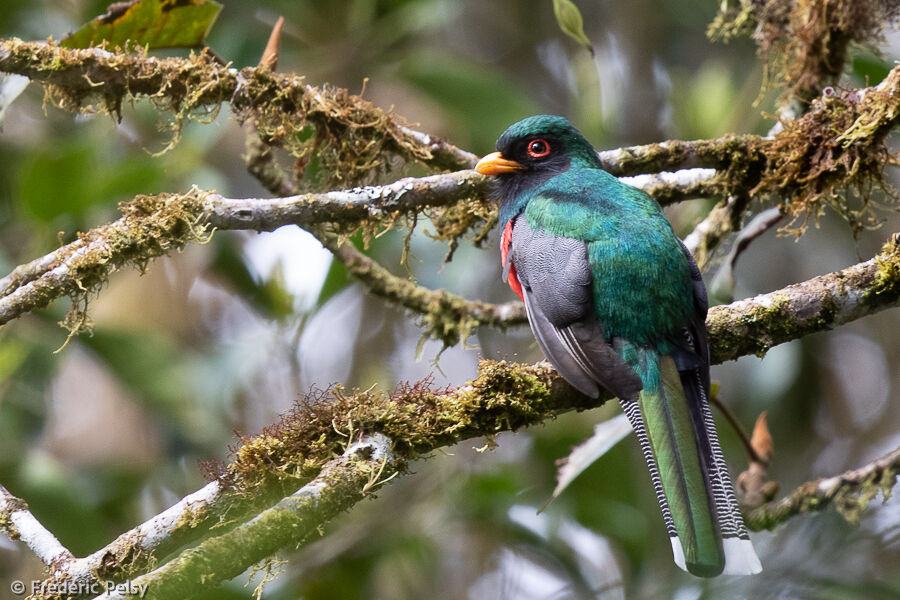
{"points": [[850, 494], [279, 106], [347, 209], [155, 225], [805, 42], [150, 227], [341, 483], [291, 453], [754, 325], [353, 137]]}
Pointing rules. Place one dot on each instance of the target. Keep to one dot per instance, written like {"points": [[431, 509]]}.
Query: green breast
{"points": [[642, 283]]}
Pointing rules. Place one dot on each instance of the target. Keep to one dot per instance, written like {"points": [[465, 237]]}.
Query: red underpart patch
{"points": [[505, 242], [514, 282]]}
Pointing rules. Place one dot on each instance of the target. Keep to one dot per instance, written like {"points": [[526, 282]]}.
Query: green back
{"points": [[642, 283]]}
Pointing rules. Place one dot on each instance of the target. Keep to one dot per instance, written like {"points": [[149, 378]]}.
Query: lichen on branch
{"points": [[754, 325]]}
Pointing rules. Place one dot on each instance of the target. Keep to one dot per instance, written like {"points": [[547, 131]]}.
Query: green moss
{"points": [[804, 42], [352, 140], [887, 276], [150, 227], [851, 500], [129, 560], [417, 418]]}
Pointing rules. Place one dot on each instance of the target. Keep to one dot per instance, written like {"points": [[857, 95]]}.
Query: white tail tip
{"points": [[740, 557], [678, 553]]}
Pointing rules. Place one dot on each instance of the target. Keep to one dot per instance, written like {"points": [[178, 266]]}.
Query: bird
{"points": [[616, 302]]}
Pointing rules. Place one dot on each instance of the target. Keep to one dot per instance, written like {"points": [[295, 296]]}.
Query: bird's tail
{"points": [[674, 426]]}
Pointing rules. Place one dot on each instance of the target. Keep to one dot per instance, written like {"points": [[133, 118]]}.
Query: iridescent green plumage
{"points": [[615, 301]]}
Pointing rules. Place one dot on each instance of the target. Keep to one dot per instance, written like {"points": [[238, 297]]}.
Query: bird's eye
{"points": [[538, 148]]}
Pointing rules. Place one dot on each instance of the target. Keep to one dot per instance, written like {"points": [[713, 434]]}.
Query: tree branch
{"points": [[850, 493], [723, 219], [754, 325], [154, 225], [340, 484], [17, 522]]}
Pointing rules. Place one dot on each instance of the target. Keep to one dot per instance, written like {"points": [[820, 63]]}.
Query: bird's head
{"points": [[532, 151]]}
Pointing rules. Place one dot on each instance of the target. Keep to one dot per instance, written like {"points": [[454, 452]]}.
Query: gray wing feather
{"points": [[556, 279]]}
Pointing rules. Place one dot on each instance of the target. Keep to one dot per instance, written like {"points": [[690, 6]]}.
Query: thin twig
{"points": [[737, 428]]}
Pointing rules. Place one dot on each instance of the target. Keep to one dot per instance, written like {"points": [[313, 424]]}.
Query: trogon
{"points": [[616, 302]]}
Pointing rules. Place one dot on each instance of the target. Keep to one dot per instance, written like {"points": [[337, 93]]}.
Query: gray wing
{"points": [[556, 280]]}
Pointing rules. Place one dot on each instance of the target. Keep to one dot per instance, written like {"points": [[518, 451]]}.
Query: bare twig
{"points": [[723, 219], [736, 427], [762, 223]]}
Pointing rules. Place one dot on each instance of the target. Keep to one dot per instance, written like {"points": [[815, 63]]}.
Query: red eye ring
{"points": [[538, 148]]}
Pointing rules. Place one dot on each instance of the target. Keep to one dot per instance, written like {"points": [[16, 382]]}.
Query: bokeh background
{"points": [[222, 337]]}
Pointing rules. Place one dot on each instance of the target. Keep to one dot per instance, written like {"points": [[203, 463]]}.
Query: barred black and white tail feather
{"points": [[740, 557], [633, 412]]}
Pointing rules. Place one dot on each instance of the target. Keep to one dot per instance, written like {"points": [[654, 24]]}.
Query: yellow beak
{"points": [[494, 164]]}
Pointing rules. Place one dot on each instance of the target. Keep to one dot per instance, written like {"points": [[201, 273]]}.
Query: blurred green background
{"points": [[222, 337]]}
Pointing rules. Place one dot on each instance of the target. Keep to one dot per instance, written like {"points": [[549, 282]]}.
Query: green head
{"points": [[532, 151]]}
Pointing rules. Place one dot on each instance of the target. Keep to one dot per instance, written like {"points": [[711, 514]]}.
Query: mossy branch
{"points": [[502, 397], [341, 483], [754, 325], [805, 43], [353, 137], [155, 225], [850, 494]]}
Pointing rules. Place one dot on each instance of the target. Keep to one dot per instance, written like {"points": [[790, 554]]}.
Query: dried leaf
{"points": [[270, 54], [761, 440], [150, 23]]}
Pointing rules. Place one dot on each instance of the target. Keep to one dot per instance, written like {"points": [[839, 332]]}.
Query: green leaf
{"points": [[569, 19], [12, 354], [83, 177], [151, 23]]}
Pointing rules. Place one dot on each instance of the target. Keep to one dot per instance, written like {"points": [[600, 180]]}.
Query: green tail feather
{"points": [[671, 432]]}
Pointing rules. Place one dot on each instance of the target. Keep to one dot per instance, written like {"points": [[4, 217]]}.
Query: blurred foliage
{"points": [[152, 24], [224, 336]]}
